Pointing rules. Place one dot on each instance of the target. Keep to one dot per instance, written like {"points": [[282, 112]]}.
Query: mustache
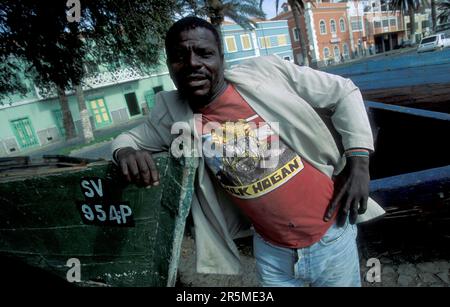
{"points": [[196, 76]]}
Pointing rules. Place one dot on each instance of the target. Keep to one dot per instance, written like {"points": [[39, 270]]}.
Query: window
{"points": [[342, 25], [326, 53], [24, 132], [425, 24], [245, 41], [385, 23], [264, 42], [345, 51], [282, 40], [323, 27], [100, 112], [393, 22], [337, 54], [296, 33], [376, 24], [132, 103], [332, 26], [356, 25], [230, 43]]}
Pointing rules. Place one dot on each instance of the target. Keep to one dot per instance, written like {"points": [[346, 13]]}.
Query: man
{"points": [[264, 108]]}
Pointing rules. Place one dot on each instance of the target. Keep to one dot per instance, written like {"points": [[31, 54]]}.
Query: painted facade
{"points": [[115, 98], [111, 99], [266, 38], [338, 31]]}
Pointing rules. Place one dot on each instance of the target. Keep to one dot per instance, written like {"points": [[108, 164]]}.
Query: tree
{"points": [[240, 12], [298, 9], [433, 15], [444, 7], [111, 32], [409, 7]]}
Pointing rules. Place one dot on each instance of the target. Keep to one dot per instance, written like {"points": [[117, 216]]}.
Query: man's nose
{"points": [[193, 60]]}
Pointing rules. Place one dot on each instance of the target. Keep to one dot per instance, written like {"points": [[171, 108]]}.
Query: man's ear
{"points": [[169, 67]]}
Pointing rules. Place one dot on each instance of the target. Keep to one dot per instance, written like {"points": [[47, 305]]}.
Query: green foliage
{"points": [[127, 33], [444, 7], [113, 32], [406, 5], [241, 12]]}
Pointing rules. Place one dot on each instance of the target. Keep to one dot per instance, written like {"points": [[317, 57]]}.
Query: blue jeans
{"points": [[331, 262]]}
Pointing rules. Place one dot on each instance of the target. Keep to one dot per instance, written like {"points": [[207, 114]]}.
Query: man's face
{"points": [[196, 65]]}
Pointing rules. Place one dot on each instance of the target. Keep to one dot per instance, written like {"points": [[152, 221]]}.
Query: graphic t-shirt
{"points": [[283, 195]]}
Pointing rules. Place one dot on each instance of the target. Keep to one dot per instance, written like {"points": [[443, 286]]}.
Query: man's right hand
{"points": [[138, 167]]}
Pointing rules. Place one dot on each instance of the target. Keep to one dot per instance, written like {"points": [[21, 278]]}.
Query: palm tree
{"points": [[444, 7], [298, 9], [410, 7], [240, 11], [433, 15], [88, 134]]}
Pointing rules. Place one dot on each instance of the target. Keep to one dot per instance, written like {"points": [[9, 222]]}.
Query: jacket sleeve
{"points": [[152, 135], [337, 94]]}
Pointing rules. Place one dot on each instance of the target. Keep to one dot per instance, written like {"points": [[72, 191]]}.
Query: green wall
{"points": [[41, 115]]}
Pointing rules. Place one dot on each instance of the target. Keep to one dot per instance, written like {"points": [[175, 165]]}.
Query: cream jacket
{"points": [[278, 91]]}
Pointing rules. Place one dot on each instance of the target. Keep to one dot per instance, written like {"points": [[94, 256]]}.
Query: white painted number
{"points": [[114, 215], [101, 214], [88, 214], [74, 273]]}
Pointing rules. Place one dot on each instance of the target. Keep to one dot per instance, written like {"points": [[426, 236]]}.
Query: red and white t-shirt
{"points": [[283, 195]]}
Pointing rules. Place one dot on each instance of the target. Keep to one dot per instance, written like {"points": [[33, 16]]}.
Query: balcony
{"points": [[109, 78], [97, 80]]}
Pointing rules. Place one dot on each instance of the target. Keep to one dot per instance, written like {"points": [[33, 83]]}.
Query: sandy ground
{"points": [[406, 258]]}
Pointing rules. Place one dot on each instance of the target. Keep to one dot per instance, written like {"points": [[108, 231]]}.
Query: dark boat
{"points": [[410, 169], [78, 220], [66, 212], [419, 80]]}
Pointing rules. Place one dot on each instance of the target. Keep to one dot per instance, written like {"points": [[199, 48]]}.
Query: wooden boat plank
{"points": [[43, 225]]}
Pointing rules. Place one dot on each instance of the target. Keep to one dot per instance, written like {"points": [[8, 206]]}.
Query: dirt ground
{"points": [[411, 254]]}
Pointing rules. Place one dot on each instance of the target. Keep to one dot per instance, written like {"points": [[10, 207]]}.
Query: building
{"points": [[326, 29], [422, 24], [265, 38], [113, 98], [338, 31]]}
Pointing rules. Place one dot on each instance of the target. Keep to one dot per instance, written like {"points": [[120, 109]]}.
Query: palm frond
{"points": [[444, 7]]}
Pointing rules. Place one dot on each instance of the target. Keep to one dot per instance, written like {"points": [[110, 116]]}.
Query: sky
{"points": [[269, 8]]}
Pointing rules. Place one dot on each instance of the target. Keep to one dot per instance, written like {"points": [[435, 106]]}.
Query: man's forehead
{"points": [[200, 35]]}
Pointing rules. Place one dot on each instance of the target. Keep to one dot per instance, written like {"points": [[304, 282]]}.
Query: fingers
{"points": [[343, 214], [138, 167], [133, 169], [153, 169], [334, 205], [124, 169], [354, 211], [144, 170], [363, 205]]}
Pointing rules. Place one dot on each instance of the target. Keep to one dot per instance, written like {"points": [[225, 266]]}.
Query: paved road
{"points": [[97, 151]]}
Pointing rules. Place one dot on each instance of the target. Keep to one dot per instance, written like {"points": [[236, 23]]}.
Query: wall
{"points": [[41, 113]]}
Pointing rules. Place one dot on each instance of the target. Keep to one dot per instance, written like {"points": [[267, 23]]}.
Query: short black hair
{"points": [[190, 23]]}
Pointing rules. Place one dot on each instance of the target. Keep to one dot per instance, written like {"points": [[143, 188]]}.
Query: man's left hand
{"points": [[351, 191]]}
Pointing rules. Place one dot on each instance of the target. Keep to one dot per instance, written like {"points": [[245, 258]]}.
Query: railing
{"points": [[95, 81], [108, 78]]}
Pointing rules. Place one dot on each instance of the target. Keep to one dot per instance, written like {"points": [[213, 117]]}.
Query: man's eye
{"points": [[205, 53], [178, 57]]}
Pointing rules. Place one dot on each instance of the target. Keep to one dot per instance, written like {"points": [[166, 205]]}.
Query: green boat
{"points": [[79, 220]]}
